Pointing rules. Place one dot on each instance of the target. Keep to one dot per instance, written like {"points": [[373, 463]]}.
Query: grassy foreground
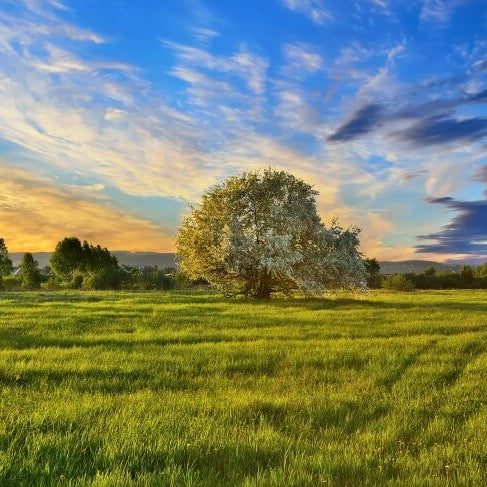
{"points": [[121, 389]]}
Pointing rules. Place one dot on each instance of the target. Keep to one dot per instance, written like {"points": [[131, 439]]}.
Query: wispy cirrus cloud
{"points": [[205, 34], [440, 11], [380, 3], [248, 66], [40, 18], [302, 57], [315, 10], [97, 115]]}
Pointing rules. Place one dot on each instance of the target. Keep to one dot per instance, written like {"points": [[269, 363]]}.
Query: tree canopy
{"points": [[30, 274], [372, 268], [67, 258], [261, 232], [6, 266]]}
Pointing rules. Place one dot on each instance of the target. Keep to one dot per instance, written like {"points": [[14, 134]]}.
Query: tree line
{"points": [[81, 265], [469, 277]]}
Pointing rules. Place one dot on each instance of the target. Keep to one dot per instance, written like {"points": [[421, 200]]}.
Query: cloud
{"points": [[249, 67], [313, 9], [302, 57], [380, 3], [58, 60], [480, 174], [466, 234], [439, 130], [113, 114], [204, 35], [440, 12], [407, 176], [70, 112], [35, 214], [437, 10], [362, 122], [48, 23], [479, 97]]}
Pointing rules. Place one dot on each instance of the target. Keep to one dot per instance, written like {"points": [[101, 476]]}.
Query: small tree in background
{"points": [[430, 272], [261, 232], [372, 268], [481, 271], [30, 274], [466, 274], [6, 266]]}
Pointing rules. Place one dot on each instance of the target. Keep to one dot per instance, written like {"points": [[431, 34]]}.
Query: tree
{"points": [[372, 268], [30, 274], [466, 274], [260, 232], [430, 271], [97, 259], [6, 266], [481, 271], [73, 260], [67, 258]]}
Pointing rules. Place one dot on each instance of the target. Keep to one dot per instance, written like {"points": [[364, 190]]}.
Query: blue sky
{"points": [[115, 115]]}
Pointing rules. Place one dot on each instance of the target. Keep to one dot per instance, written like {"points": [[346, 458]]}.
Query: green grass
{"points": [[122, 389]]}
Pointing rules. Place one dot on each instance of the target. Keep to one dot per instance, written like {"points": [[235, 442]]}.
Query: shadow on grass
{"points": [[30, 298], [348, 416], [318, 304], [12, 339], [98, 381]]}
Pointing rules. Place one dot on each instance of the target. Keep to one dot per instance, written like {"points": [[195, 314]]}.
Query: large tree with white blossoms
{"points": [[260, 233]]}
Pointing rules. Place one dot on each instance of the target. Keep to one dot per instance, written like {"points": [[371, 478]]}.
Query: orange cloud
{"points": [[35, 214]]}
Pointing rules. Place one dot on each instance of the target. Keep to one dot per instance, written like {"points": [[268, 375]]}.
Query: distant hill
{"points": [[390, 267], [124, 258], [168, 260]]}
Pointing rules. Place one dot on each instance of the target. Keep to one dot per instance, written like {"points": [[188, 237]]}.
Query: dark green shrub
{"points": [[12, 283], [398, 282], [148, 278], [107, 278]]}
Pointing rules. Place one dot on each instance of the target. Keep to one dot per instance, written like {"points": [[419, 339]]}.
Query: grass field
{"points": [[121, 389]]}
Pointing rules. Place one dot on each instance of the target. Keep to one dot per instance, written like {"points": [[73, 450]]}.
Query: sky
{"points": [[116, 116]]}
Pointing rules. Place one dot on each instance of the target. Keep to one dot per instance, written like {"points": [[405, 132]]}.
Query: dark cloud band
{"points": [[465, 234]]}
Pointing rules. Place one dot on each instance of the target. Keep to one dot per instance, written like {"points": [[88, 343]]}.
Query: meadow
{"points": [[192, 389]]}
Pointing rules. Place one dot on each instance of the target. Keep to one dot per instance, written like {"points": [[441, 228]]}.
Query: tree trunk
{"points": [[263, 289]]}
